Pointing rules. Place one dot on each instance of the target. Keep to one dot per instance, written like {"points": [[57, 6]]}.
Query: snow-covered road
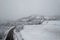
{"points": [[46, 31]]}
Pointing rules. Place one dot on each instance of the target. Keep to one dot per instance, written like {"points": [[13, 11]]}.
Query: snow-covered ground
{"points": [[47, 31]]}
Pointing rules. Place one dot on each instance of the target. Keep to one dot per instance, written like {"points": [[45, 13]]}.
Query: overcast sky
{"points": [[14, 9]]}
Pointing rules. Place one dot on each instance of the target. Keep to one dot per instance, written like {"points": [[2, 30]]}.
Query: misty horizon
{"points": [[15, 9]]}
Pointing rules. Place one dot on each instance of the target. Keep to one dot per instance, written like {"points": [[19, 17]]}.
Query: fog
{"points": [[14, 9]]}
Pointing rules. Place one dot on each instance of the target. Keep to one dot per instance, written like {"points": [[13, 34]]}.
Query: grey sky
{"points": [[14, 9]]}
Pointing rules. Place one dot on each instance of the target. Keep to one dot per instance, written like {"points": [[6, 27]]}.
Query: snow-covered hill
{"points": [[31, 23]]}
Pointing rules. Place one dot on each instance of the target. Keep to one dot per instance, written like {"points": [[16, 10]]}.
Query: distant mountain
{"points": [[34, 19], [30, 20]]}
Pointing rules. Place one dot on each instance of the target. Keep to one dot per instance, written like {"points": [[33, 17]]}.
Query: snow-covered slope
{"points": [[46, 31]]}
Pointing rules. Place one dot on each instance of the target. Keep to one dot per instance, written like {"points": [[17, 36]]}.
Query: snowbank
{"points": [[47, 31]]}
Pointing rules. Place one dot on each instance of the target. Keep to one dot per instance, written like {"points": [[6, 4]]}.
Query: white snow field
{"points": [[47, 31]]}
